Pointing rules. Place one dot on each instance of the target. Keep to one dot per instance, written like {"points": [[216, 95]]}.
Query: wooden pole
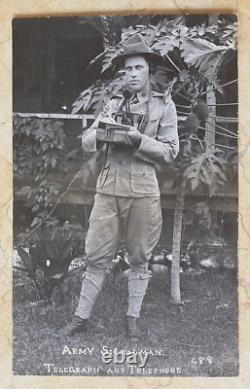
{"points": [[211, 102], [210, 126], [176, 251]]}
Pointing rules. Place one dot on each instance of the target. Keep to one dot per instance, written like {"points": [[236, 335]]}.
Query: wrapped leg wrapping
{"points": [[137, 286], [91, 287]]}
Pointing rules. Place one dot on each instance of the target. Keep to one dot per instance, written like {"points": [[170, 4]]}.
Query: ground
{"points": [[199, 339]]}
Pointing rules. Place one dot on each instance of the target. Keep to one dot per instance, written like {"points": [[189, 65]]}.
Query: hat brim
{"points": [[153, 57]]}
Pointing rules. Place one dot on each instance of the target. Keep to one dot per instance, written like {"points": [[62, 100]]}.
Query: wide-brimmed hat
{"points": [[135, 45]]}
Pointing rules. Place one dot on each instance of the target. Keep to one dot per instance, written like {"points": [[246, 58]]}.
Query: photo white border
{"points": [[10, 9]]}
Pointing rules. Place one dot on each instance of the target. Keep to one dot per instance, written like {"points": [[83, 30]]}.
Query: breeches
{"points": [[138, 219]]}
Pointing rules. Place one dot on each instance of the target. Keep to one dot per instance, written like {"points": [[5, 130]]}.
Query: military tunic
{"points": [[131, 171], [128, 199]]}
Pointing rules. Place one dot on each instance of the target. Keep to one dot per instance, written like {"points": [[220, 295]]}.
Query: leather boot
{"points": [[76, 325], [133, 331]]}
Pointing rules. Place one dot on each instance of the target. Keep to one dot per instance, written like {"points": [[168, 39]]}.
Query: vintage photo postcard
{"points": [[127, 243], [125, 195]]}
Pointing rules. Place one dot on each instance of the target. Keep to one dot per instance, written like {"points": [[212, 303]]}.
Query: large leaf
{"points": [[205, 176], [160, 79], [218, 170], [88, 97], [82, 100], [193, 172], [165, 44], [229, 34], [98, 94], [148, 32], [202, 54], [108, 57], [161, 38], [27, 261], [206, 168], [114, 87]]}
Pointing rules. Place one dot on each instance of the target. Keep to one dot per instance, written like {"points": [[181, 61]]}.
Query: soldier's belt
{"points": [[112, 132]]}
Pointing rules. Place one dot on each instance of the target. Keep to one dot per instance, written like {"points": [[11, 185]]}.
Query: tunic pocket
{"points": [[144, 182], [142, 167], [151, 129]]}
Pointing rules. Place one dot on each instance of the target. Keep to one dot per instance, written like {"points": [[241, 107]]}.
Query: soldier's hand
{"points": [[134, 136]]}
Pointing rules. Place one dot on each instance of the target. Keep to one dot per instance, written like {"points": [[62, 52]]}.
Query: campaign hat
{"points": [[135, 45]]}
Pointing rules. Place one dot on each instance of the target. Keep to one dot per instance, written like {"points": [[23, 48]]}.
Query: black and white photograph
{"points": [[125, 195]]}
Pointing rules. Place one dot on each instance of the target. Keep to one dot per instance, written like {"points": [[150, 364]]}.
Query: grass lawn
{"points": [[201, 339]]}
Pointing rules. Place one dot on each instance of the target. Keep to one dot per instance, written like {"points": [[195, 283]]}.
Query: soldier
{"points": [[127, 187]]}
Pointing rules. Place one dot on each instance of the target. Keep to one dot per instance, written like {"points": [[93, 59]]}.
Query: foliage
{"points": [[200, 166], [89, 99], [40, 153], [193, 54], [197, 166], [49, 255], [202, 222], [98, 94], [203, 55], [206, 168]]}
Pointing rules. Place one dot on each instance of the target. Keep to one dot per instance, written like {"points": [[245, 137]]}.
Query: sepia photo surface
{"points": [[72, 84]]}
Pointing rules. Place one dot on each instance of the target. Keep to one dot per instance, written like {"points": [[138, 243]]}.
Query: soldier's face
{"points": [[137, 73]]}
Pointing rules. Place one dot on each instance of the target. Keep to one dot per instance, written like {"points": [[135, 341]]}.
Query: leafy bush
{"points": [[49, 256], [39, 149]]}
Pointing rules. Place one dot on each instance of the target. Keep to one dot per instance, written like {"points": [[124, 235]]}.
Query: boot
{"points": [[76, 325], [132, 329]]}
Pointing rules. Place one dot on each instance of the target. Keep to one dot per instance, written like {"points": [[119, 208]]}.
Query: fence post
{"points": [[211, 102]]}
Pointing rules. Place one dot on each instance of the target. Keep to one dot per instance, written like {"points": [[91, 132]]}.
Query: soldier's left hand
{"points": [[134, 136]]}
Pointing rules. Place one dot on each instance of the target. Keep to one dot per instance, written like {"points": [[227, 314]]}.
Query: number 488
{"points": [[202, 360]]}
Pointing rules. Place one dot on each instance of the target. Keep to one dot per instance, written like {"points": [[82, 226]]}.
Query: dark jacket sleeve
{"points": [[164, 149]]}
